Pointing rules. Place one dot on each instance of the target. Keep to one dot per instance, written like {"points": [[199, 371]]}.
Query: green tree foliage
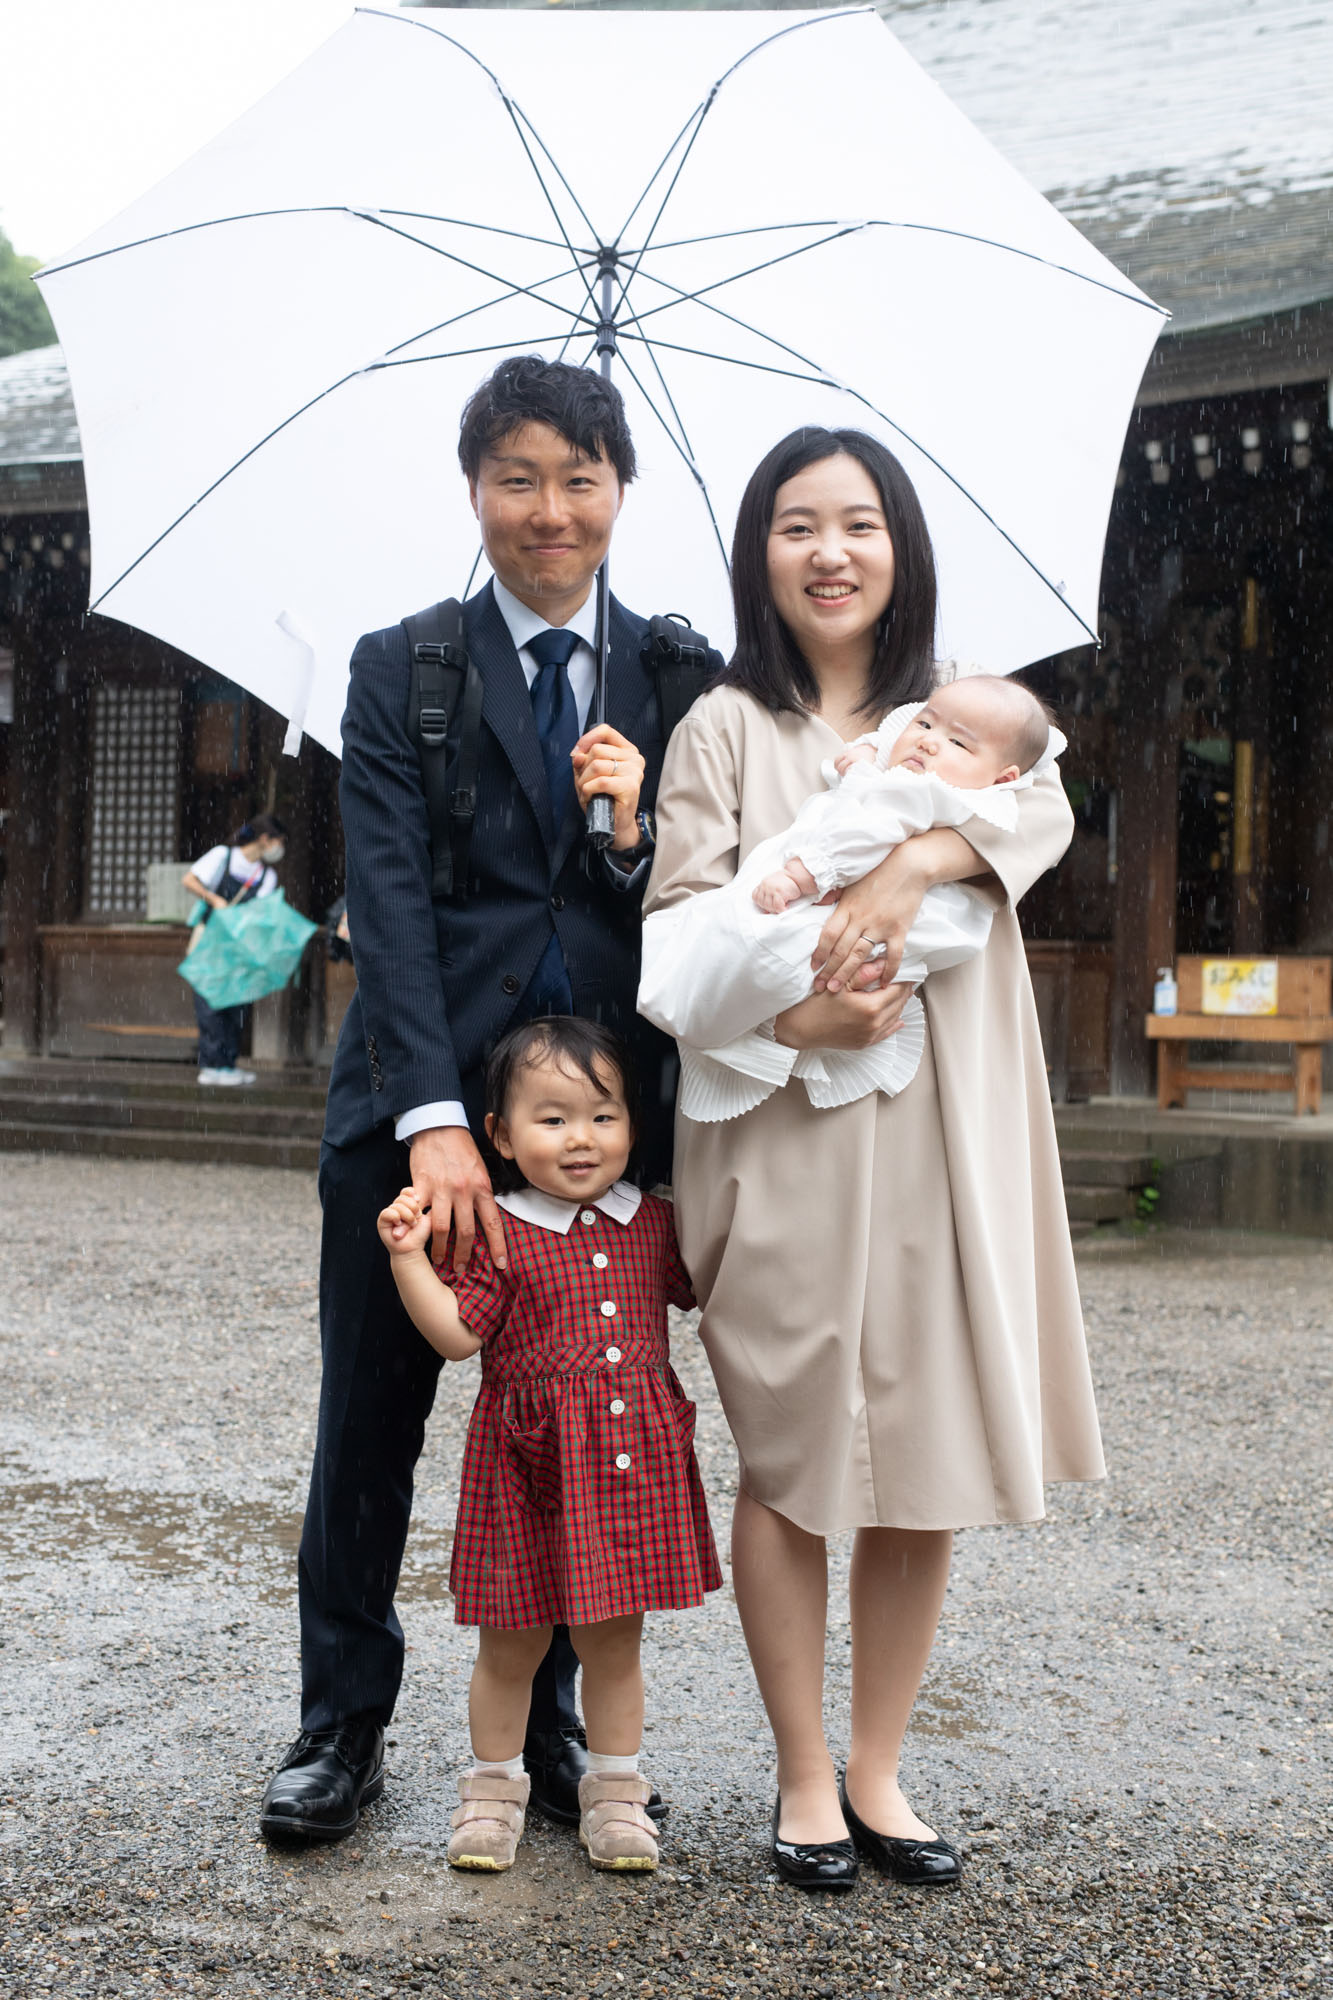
{"points": [[24, 320]]}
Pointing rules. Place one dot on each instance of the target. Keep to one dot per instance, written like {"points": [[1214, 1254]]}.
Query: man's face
{"points": [[546, 517]]}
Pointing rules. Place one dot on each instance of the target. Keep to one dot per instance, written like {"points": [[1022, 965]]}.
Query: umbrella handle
{"points": [[601, 821]]}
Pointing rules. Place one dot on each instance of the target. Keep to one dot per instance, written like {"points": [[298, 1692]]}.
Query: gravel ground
{"points": [[1126, 1723]]}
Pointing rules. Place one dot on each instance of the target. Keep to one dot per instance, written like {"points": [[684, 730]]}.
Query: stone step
{"points": [[1100, 1204], [207, 1110], [301, 1089], [239, 1149], [1106, 1169]]}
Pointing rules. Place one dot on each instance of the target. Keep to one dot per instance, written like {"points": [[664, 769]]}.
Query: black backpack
{"points": [[447, 689]]}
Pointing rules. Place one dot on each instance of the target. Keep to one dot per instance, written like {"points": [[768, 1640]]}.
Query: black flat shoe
{"points": [[555, 1760], [821, 1864], [928, 1864], [320, 1786]]}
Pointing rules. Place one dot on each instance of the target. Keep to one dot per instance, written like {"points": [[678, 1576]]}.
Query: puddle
{"points": [[952, 1707], [168, 1535]]}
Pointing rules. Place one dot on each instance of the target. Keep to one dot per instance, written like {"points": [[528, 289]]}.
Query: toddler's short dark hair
{"points": [[573, 1045]]}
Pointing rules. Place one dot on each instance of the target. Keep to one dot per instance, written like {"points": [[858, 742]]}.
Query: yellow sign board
{"points": [[1240, 986]]}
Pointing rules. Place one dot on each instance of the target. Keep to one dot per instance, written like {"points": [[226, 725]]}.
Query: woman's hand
{"points": [[843, 1020], [881, 908], [606, 764]]}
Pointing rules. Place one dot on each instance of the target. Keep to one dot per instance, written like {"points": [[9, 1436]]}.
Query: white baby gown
{"points": [[718, 957]]}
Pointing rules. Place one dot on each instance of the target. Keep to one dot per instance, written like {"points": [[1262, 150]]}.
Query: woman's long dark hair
{"points": [[767, 661]]}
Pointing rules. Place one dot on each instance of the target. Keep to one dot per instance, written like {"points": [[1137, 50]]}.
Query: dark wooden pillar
{"points": [[30, 835], [1145, 934]]}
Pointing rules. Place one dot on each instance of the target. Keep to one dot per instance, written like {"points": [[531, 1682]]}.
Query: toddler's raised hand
{"points": [[404, 1226]]}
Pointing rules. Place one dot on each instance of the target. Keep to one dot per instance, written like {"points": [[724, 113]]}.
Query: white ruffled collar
{"points": [[550, 1211]]}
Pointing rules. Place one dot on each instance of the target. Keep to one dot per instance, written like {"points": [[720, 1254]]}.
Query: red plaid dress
{"points": [[579, 1499]]}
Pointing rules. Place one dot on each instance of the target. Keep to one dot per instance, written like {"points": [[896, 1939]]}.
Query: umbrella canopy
{"points": [[247, 950], [776, 218]]}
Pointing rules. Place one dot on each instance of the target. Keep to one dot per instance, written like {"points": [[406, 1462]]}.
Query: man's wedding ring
{"points": [[876, 950], [615, 766]]}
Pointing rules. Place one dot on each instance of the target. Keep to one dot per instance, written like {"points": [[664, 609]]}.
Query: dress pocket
{"points": [[685, 1415], [531, 1460]]}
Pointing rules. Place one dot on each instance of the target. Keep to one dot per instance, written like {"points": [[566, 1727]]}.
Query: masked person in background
{"points": [[233, 873]]}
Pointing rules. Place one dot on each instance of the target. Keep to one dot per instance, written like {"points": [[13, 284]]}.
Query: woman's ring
{"points": [[876, 950]]}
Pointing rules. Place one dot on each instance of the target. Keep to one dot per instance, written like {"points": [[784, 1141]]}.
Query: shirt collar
{"points": [[524, 623], [550, 1211]]}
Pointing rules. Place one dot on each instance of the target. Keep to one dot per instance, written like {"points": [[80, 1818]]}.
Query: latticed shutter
{"points": [[135, 794]]}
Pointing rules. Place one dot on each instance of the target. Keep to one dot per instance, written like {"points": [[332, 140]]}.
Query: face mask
{"points": [[275, 853]]}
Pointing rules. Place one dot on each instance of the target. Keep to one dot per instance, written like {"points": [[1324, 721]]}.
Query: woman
{"points": [[233, 873], [890, 1306]]}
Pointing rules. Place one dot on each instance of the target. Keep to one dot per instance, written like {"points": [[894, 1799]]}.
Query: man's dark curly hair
{"points": [[587, 411]]}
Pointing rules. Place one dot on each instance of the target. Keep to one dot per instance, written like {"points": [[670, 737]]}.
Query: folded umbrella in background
{"points": [[246, 951]]}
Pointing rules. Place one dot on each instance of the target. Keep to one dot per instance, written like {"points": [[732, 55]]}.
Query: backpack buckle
{"points": [[434, 722]]}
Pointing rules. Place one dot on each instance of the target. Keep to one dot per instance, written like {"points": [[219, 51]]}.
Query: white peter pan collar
{"points": [[551, 1211]]}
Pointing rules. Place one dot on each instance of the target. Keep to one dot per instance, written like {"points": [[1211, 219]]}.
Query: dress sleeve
{"points": [[695, 983], [482, 1295], [698, 814], [1045, 829]]}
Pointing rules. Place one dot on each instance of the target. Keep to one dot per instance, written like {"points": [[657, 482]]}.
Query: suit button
{"points": [[509, 984], [557, 902]]}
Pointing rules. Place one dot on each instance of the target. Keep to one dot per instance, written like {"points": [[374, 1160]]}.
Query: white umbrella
{"points": [[787, 223]]}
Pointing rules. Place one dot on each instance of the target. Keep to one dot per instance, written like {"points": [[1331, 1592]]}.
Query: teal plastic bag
{"points": [[247, 950]]}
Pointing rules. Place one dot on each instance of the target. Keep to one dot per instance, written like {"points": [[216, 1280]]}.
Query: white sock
{"points": [[602, 1766], [503, 1767]]}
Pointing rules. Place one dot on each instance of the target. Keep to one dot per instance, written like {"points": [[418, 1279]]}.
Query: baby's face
{"points": [[958, 737]]}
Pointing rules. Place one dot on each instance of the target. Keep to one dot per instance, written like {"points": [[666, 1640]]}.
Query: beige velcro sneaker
{"points": [[613, 1825], [489, 1822]]}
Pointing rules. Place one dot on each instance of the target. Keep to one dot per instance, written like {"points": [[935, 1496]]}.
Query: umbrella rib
{"points": [[701, 111], [683, 448], [698, 118], [500, 299], [845, 388], [273, 215], [408, 361], [479, 270]]}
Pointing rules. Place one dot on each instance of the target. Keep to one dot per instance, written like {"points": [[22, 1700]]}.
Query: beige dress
{"points": [[890, 1304]]}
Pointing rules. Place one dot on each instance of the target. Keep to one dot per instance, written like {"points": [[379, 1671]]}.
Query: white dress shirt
{"points": [[524, 624]]}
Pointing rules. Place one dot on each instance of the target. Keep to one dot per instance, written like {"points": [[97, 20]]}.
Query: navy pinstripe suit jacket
{"points": [[438, 983]]}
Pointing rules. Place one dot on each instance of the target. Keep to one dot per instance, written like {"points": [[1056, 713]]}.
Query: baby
{"points": [[972, 734], [740, 954]]}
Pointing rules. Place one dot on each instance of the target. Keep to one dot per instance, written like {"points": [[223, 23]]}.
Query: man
{"points": [[545, 926]]}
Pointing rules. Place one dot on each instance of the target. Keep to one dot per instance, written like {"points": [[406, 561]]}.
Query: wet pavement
{"points": [[1126, 1723]]}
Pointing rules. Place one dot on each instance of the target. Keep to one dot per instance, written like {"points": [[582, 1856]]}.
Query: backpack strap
{"points": [[446, 694], [677, 657]]}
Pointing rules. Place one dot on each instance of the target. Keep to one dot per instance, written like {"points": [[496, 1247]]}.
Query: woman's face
{"points": [[830, 560]]}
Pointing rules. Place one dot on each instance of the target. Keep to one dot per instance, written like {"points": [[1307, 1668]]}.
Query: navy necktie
{"points": [[555, 714]]}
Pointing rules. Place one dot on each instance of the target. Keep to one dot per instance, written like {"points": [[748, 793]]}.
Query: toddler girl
{"points": [[580, 1501]]}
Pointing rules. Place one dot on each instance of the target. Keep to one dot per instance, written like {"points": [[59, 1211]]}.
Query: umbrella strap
{"points": [[445, 700]]}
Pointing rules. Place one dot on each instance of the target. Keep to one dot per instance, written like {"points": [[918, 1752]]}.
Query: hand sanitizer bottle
{"points": [[1165, 993]]}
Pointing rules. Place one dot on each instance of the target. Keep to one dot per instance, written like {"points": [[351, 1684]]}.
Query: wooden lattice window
{"points": [[135, 793]]}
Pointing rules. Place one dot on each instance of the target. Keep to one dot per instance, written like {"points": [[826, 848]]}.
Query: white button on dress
{"points": [[608, 1308], [600, 1261], [588, 1215], [622, 1461], [613, 1354], [617, 1408]]}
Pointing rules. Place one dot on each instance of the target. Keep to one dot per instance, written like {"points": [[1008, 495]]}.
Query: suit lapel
{"points": [[506, 705]]}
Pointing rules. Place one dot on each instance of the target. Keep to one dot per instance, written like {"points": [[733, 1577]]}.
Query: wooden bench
{"points": [[1303, 1022]]}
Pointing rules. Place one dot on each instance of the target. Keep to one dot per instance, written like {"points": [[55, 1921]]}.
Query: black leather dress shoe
{"points": [[320, 1786], [555, 1760], [923, 1864], [823, 1864]]}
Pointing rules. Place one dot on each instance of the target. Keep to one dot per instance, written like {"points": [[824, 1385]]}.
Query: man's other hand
{"points": [[449, 1177]]}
